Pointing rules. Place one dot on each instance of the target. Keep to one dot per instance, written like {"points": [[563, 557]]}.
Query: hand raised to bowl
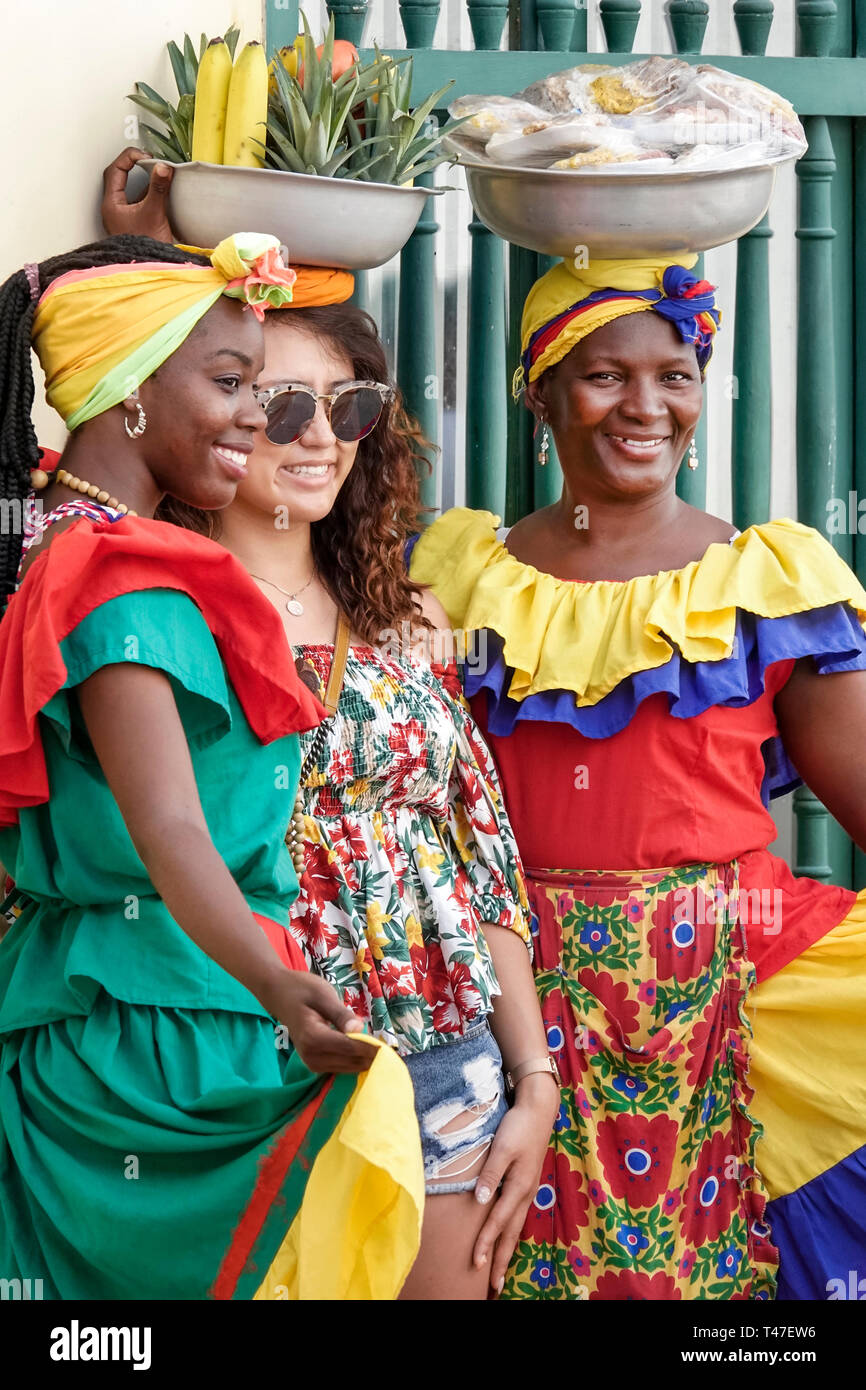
{"points": [[148, 216]]}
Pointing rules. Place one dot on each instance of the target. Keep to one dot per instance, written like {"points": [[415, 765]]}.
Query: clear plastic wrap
{"points": [[660, 114]]}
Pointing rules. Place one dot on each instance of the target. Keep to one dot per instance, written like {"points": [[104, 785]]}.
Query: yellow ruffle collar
{"points": [[588, 637]]}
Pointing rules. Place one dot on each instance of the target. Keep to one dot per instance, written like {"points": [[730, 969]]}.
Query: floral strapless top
{"points": [[408, 852]]}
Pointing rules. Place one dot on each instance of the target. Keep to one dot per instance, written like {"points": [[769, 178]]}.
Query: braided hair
{"points": [[19, 449]]}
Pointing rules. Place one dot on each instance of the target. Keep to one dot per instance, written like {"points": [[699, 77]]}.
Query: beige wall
{"points": [[65, 68]]}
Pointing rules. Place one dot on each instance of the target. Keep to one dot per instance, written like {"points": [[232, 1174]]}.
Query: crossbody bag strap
{"points": [[338, 666], [294, 834]]}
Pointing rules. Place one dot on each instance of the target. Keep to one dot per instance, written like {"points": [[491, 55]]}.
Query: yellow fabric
{"points": [[808, 1064], [89, 322], [359, 1229], [563, 285], [587, 637]]}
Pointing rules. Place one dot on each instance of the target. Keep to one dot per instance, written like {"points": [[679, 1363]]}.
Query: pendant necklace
{"points": [[293, 605]]}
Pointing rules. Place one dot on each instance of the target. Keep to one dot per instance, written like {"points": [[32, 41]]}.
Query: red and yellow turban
{"points": [[569, 303], [100, 333]]}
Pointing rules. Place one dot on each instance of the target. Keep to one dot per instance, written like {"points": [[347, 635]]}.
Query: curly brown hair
{"points": [[359, 546]]}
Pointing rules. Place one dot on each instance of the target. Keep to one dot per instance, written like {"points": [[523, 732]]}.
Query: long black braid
{"points": [[19, 449]]}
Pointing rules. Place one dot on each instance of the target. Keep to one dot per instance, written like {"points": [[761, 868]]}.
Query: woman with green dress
{"points": [[170, 1123]]}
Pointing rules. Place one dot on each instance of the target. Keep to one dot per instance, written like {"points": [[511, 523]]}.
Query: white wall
{"points": [[65, 68]]}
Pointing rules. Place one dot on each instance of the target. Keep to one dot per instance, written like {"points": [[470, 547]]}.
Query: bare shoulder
{"points": [[39, 547], [432, 644], [529, 538], [432, 610], [706, 528]]}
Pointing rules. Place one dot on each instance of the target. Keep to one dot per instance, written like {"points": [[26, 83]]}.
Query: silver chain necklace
{"points": [[293, 606]]}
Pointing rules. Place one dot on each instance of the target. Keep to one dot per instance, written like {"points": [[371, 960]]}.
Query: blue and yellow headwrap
{"points": [[100, 333], [568, 304]]}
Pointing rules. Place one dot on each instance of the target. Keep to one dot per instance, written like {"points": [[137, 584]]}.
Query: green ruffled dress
{"points": [[140, 1084]]}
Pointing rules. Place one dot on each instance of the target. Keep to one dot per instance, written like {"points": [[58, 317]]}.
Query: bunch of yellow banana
{"points": [[231, 106], [211, 97], [290, 56]]}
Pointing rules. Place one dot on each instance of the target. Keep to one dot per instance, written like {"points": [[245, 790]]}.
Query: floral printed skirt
{"points": [[649, 1189]]}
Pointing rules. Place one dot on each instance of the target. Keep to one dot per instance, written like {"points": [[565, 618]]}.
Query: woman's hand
{"points": [[515, 1160], [318, 1023], [149, 217]]}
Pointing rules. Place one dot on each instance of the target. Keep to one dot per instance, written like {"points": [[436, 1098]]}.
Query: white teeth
{"points": [[309, 470], [638, 443], [233, 456]]}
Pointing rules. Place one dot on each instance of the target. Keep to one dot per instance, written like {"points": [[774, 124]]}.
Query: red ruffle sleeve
{"points": [[91, 563]]}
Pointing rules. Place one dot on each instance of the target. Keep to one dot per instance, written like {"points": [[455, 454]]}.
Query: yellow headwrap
{"points": [[557, 316], [100, 333]]}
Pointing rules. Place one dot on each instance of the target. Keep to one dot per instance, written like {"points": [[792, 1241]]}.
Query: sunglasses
{"points": [[352, 411]]}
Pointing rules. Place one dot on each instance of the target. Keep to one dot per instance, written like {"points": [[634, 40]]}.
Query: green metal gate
{"points": [[826, 82]]}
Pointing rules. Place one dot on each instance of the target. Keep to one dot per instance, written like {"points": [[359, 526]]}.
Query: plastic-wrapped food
{"points": [[563, 92], [484, 117], [559, 138], [634, 162], [661, 111], [638, 86]]}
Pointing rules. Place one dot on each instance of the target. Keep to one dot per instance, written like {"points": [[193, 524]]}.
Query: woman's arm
{"points": [[517, 1153], [137, 735], [822, 720]]}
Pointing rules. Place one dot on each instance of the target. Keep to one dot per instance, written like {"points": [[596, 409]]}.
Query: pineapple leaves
{"points": [[177, 67], [360, 125]]}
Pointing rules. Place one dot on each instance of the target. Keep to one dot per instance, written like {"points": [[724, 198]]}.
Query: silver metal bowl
{"points": [[618, 215], [345, 223]]}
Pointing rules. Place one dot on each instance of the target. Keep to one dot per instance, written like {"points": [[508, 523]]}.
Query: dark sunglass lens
{"points": [[288, 414], [355, 413]]}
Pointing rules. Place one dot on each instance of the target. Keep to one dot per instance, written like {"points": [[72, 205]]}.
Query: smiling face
{"points": [[623, 406], [304, 477], [202, 415]]}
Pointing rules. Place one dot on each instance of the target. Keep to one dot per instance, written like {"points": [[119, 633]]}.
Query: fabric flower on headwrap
{"points": [[314, 285], [568, 304], [100, 333], [262, 281]]}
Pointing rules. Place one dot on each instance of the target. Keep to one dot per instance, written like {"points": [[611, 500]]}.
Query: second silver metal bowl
{"points": [[560, 212]]}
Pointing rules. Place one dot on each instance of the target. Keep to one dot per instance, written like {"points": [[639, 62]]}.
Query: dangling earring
{"points": [[693, 456], [544, 449], [139, 429]]}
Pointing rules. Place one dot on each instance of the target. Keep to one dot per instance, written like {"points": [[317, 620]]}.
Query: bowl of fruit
{"points": [[316, 148]]}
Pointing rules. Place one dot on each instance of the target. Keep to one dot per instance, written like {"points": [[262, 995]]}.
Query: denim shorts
{"points": [[454, 1080]]}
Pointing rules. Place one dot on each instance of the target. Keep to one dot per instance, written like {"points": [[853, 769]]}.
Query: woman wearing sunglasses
{"points": [[162, 1133], [411, 902]]}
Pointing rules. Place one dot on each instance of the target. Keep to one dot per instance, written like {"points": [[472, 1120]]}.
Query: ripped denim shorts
{"points": [[460, 1103]]}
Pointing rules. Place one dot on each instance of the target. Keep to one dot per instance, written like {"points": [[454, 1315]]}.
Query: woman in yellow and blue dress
{"points": [[651, 678]]}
